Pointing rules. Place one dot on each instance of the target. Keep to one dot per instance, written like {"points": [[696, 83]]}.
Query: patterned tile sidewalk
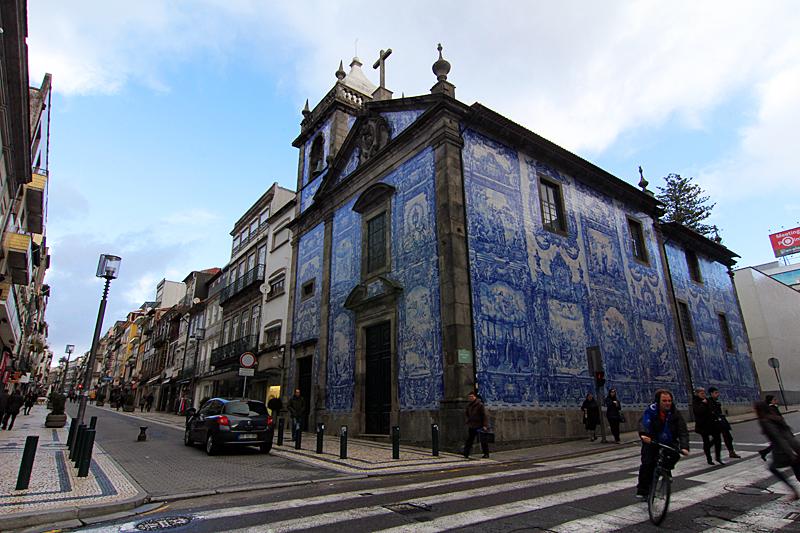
{"points": [[56, 493]]}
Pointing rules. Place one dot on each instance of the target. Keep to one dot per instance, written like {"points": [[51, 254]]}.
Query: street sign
{"points": [[108, 378], [773, 362], [247, 360], [247, 372]]}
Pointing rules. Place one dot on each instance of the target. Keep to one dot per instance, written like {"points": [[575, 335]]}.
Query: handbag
{"points": [[621, 418], [487, 436]]}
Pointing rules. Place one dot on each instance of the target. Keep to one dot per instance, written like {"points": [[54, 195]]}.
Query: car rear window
{"points": [[245, 408]]}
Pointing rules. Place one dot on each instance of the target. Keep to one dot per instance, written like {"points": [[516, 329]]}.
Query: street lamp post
{"points": [[69, 349], [108, 268]]}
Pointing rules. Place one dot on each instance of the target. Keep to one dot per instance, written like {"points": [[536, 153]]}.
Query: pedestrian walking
{"points": [[3, 404], [149, 402], [142, 403], [785, 447], [297, 412], [92, 396], [477, 422], [660, 422], [614, 413], [774, 408], [704, 425], [15, 402], [591, 415], [723, 427], [30, 400]]}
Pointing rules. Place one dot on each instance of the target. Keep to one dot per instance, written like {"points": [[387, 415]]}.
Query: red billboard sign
{"points": [[786, 242]]}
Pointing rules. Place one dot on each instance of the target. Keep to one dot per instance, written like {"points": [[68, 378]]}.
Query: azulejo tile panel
{"points": [[540, 298], [309, 267], [308, 192], [711, 363], [400, 120]]}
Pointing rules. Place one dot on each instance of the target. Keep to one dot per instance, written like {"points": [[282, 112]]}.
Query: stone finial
{"points": [[643, 183], [340, 74], [442, 67], [306, 110]]}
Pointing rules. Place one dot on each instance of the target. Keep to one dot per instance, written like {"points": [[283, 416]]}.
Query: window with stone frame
{"points": [[693, 264], [315, 160], [272, 336], [636, 236], [307, 290], [277, 286], [726, 331], [685, 319], [374, 206], [255, 319], [552, 206], [376, 243]]}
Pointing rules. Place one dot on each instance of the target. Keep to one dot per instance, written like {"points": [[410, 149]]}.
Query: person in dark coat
{"points": [[297, 412], [660, 422], [591, 415], [704, 425], [785, 447], [477, 422], [614, 413], [774, 408], [149, 402], [722, 426], [3, 404], [15, 402], [30, 400]]}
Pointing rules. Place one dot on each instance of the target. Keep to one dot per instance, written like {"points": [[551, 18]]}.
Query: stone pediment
{"points": [[377, 290]]}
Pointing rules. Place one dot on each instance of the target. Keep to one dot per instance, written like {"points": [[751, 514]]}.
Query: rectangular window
{"points": [[235, 328], [272, 337], [251, 261], [694, 266], [686, 322], [245, 323], [637, 240], [242, 268], [276, 286], [726, 331], [262, 255], [245, 234], [263, 218], [255, 318], [235, 242], [376, 243], [226, 332], [307, 290], [254, 227], [552, 207]]}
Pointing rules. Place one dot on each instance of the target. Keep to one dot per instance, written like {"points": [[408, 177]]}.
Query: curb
{"points": [[29, 520]]}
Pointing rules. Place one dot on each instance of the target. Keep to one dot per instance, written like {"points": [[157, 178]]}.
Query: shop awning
{"points": [[153, 380]]}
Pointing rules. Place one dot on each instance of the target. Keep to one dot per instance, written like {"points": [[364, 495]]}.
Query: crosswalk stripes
{"points": [[764, 518]]}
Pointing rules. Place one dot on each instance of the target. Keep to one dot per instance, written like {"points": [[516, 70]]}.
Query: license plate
{"points": [[248, 436]]}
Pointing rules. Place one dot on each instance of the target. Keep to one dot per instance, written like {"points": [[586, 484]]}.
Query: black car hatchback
{"points": [[222, 422]]}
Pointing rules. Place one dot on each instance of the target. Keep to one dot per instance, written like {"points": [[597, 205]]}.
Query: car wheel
{"points": [[211, 447], [187, 439], [266, 447]]}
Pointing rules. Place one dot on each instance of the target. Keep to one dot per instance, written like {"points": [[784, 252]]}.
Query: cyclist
{"points": [[663, 423]]}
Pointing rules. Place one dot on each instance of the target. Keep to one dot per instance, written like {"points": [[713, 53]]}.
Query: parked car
{"points": [[223, 422]]}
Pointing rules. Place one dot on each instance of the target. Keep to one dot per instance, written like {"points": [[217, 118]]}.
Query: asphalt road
{"points": [[163, 466], [594, 493]]}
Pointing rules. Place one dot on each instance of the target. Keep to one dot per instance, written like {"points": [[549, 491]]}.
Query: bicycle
{"points": [[661, 487]]}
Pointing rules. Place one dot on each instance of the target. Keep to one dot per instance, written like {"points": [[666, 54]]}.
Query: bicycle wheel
{"points": [[658, 500]]}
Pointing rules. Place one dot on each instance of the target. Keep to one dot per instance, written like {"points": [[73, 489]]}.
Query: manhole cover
{"points": [[158, 524], [408, 508], [752, 491]]}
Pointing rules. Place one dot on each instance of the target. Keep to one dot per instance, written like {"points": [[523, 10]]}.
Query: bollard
{"points": [[142, 434], [320, 433], [297, 439], [343, 442], [280, 431], [71, 435], [395, 442], [86, 458], [93, 422], [79, 444], [435, 440], [76, 441], [26, 466]]}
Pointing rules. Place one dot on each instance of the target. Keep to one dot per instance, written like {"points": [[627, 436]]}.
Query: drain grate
{"points": [[160, 524], [407, 508], [747, 490], [794, 516]]}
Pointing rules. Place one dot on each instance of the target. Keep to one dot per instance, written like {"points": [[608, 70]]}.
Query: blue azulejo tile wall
{"points": [[539, 298], [712, 364], [309, 269]]}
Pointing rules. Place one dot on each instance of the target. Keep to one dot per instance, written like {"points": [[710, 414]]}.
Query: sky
{"points": [[170, 119]]}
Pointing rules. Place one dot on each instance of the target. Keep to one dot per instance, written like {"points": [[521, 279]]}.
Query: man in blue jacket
{"points": [[660, 422]]}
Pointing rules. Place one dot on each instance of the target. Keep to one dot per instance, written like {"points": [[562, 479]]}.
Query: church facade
{"points": [[440, 248]]}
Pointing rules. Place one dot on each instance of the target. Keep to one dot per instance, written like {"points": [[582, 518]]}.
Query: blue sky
{"points": [[171, 118]]}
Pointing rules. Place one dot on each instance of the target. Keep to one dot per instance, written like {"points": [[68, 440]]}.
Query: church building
{"points": [[440, 247]]}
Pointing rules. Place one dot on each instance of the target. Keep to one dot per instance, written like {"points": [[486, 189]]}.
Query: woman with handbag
{"points": [[591, 415], [614, 413], [785, 448]]}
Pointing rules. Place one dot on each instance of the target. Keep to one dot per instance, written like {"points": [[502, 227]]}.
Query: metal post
{"points": [[73, 425], [297, 438], [780, 385], [80, 445], [26, 466], [93, 422], [600, 402], [87, 379], [86, 456], [435, 440], [77, 442], [343, 442], [320, 433], [244, 389], [281, 423], [395, 442]]}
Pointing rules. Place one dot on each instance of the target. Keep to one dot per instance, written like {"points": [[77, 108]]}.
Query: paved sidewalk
{"points": [[55, 493]]}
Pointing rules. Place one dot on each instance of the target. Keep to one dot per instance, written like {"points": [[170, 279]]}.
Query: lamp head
{"points": [[70, 348], [108, 266]]}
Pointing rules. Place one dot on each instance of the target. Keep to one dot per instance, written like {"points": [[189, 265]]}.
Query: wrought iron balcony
{"points": [[251, 278], [228, 354]]}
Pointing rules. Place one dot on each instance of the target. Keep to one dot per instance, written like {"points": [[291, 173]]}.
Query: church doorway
{"points": [[378, 393]]}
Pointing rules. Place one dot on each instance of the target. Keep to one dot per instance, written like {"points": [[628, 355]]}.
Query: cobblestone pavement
{"points": [[54, 485], [164, 467]]}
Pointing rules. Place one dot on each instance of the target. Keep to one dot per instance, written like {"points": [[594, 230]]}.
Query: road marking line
{"points": [[308, 522]]}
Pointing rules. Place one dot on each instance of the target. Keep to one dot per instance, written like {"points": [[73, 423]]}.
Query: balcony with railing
{"points": [[251, 278], [228, 354]]}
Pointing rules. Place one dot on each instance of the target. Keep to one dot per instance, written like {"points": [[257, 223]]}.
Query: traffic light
{"points": [[600, 378]]}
